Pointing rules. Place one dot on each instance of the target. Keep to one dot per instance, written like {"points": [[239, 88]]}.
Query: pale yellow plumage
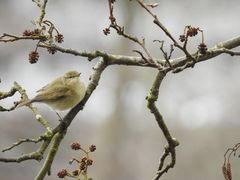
{"points": [[63, 93]]}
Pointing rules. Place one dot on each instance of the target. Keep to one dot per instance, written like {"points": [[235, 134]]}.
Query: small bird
{"points": [[62, 93]]}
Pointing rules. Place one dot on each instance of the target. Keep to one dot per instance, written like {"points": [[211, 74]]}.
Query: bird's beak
{"points": [[78, 74]]}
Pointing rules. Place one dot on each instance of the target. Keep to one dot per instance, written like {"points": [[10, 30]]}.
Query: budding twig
{"points": [[11, 38], [121, 32]]}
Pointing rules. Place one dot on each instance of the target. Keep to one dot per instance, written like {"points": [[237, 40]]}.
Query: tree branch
{"points": [[11, 38], [30, 156], [120, 30], [177, 64], [56, 140], [166, 31], [22, 141], [42, 6], [172, 142]]}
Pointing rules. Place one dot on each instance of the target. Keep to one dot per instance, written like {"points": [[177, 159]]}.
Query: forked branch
{"points": [[172, 142]]}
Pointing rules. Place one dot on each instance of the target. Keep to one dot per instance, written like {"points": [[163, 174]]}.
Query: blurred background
{"points": [[200, 105]]}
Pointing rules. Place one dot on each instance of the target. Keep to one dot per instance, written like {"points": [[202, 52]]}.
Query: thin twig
{"points": [[46, 137], [121, 32], [22, 141], [165, 30], [30, 156], [178, 64], [11, 38], [167, 56], [57, 138]]}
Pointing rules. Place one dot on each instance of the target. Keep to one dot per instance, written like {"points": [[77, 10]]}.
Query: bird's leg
{"points": [[60, 118]]}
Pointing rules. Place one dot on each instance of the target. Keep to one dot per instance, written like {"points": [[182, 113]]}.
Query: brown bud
{"points": [[59, 38], [192, 31], [106, 31], [83, 166], [51, 50], [202, 48], [89, 162], [76, 146], [83, 160], [75, 172], [36, 32], [62, 173], [33, 57], [27, 33], [182, 38], [92, 148]]}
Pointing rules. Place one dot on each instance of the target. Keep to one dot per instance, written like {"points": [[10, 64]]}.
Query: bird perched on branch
{"points": [[62, 93]]}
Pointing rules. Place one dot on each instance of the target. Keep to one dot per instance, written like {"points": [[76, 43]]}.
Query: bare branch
{"points": [[165, 30], [178, 64], [35, 155], [57, 138], [11, 38], [22, 141], [157, 22], [172, 142], [42, 6], [227, 51], [165, 54], [10, 93], [121, 32], [46, 137], [17, 88]]}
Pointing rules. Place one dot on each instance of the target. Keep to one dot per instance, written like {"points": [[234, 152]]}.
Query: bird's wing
{"points": [[48, 85], [52, 94]]}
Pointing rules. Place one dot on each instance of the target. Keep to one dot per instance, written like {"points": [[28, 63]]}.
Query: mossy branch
{"points": [[46, 168], [172, 142]]}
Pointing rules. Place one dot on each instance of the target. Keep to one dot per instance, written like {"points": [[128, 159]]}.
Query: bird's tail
{"points": [[24, 103]]}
